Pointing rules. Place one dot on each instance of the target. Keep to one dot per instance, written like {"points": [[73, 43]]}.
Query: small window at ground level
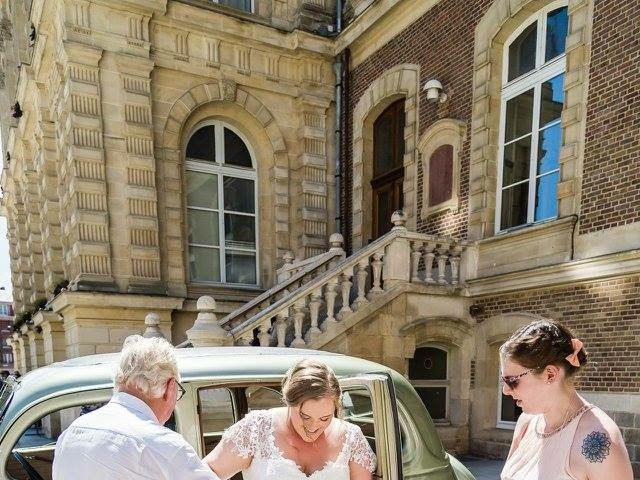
{"points": [[428, 372]]}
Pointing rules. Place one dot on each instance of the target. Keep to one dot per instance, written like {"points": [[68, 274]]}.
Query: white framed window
{"points": [[221, 200], [532, 99], [508, 411], [244, 5], [429, 374]]}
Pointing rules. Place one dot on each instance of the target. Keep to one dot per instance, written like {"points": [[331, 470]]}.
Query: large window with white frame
{"points": [[530, 131], [221, 188]]}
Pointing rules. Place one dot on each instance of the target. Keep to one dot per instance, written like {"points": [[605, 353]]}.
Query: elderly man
{"points": [[126, 438]]}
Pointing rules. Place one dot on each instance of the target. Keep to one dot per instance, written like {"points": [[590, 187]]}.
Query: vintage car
{"points": [[222, 385]]}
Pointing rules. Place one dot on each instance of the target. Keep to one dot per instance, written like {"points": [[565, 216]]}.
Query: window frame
{"points": [[221, 170], [253, 6], [446, 383], [511, 89]]}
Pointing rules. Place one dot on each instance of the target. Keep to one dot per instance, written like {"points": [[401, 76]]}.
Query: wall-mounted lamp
{"points": [[434, 91], [16, 111]]}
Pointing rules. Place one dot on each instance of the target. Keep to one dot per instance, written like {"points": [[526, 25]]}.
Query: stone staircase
{"points": [[319, 298]]}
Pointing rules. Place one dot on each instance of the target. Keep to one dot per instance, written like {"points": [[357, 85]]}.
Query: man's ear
{"points": [[168, 389]]}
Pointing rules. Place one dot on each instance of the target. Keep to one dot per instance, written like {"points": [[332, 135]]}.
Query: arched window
{"points": [[429, 374], [530, 130], [221, 206]]}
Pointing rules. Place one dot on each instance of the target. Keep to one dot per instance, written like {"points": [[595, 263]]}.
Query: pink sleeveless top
{"points": [[542, 458]]}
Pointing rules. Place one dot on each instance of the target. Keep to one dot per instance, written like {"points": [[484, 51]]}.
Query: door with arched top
{"points": [[388, 168]]}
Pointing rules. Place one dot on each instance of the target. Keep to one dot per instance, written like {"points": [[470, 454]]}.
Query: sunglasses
{"points": [[512, 381], [181, 391]]}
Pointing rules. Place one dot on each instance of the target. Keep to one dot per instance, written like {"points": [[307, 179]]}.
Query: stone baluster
{"points": [[345, 286], [298, 318], [454, 260], [361, 280], [281, 327], [416, 253], [330, 294], [314, 309], [264, 337], [376, 269], [442, 263], [152, 322], [245, 339], [428, 262], [206, 330]]}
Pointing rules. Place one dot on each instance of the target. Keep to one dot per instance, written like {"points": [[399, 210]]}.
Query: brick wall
{"points": [[611, 181], [604, 314], [441, 42]]}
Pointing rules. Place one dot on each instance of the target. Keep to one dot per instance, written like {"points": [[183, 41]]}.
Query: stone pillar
{"points": [[15, 352], [397, 257], [23, 353], [36, 347], [313, 171], [33, 208], [53, 338], [82, 177], [206, 331], [152, 321]]}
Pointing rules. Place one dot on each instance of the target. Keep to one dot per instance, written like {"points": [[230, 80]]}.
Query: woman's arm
{"points": [[358, 472], [225, 462]]}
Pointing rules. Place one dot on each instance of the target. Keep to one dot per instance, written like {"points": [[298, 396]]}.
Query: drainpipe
{"points": [[338, 69]]}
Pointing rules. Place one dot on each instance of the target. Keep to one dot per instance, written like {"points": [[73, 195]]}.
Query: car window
{"points": [[34, 449], [357, 408], [260, 397], [215, 409]]}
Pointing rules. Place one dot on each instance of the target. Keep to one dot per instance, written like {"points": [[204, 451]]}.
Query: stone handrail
{"points": [[288, 280], [396, 257]]}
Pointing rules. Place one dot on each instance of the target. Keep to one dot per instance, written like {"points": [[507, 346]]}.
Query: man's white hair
{"points": [[146, 364]]}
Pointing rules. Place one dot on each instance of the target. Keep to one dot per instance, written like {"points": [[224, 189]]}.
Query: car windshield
{"points": [[6, 392]]}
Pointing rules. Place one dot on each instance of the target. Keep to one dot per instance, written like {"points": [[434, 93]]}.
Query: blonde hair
{"points": [[310, 380], [146, 364]]}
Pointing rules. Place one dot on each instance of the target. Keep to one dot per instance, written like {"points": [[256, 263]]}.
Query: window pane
{"points": [[547, 197], [202, 144], [263, 398], [384, 208], [514, 206], [202, 190], [203, 227], [435, 399], [383, 138], [515, 165], [238, 195], [552, 100], [238, 4], [204, 264], [509, 411], [235, 151], [519, 118], [522, 52], [239, 231], [557, 23], [215, 407], [549, 149], [428, 363], [441, 175], [241, 267]]}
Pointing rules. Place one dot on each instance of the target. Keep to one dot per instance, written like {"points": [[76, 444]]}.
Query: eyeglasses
{"points": [[181, 389], [512, 381]]}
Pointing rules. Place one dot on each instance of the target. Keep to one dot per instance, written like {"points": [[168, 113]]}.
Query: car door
{"points": [[369, 401]]}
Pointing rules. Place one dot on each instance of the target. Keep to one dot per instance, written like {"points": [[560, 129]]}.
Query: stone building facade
{"points": [[6, 352], [171, 149]]}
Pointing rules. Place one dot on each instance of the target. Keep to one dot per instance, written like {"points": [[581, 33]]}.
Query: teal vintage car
{"points": [[222, 385]]}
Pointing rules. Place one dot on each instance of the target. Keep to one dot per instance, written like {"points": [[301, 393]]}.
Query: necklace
{"points": [[566, 422]]}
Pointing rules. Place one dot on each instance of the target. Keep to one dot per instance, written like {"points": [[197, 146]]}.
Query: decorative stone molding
{"points": [[447, 131], [500, 20], [397, 82]]}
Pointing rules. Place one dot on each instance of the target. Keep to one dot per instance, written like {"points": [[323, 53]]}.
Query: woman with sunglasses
{"points": [[559, 435], [302, 439]]}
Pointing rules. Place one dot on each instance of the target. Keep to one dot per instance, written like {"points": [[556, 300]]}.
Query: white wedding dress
{"points": [[253, 436]]}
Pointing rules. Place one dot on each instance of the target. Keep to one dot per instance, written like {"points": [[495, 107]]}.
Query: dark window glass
{"points": [[388, 139], [441, 175], [557, 24], [551, 100], [235, 151], [435, 399], [244, 5], [522, 52], [428, 363], [509, 411], [202, 145], [384, 209], [514, 205], [519, 116], [239, 231], [515, 166], [238, 195], [546, 196], [241, 267]]}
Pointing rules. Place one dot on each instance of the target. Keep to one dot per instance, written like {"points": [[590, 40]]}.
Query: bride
{"points": [[301, 440]]}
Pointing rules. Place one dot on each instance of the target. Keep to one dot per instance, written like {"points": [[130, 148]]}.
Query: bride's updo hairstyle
{"points": [[310, 380], [543, 343]]}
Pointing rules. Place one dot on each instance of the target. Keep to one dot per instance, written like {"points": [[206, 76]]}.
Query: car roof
{"points": [[96, 371]]}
